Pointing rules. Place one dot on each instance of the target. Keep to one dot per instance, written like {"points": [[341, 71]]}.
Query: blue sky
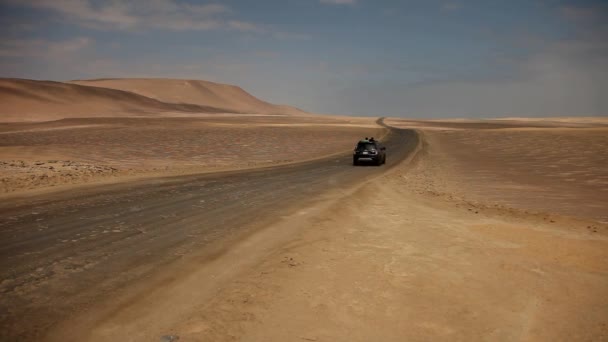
{"points": [[425, 59]]}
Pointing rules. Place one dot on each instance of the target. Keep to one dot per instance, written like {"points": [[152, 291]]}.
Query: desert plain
{"points": [[193, 211]]}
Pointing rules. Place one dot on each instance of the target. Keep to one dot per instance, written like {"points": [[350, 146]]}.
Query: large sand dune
{"points": [[30, 100], [197, 92]]}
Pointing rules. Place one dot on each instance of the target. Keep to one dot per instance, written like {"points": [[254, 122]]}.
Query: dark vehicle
{"points": [[369, 151]]}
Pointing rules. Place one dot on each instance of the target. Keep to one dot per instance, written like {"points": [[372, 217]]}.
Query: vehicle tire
{"points": [[355, 162], [384, 160], [378, 162]]}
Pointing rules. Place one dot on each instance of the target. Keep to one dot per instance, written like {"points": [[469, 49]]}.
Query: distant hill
{"points": [[205, 93], [30, 100]]}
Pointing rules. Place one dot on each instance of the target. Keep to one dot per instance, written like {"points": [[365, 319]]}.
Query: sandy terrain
{"points": [[400, 257], [54, 133], [490, 230], [560, 169], [205, 93], [30, 100], [63, 251], [74, 151], [562, 120]]}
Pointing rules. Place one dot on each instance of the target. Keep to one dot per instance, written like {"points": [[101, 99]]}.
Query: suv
{"points": [[369, 151]]}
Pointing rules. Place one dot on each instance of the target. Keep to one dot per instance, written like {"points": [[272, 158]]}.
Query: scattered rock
{"points": [[169, 338], [290, 262]]}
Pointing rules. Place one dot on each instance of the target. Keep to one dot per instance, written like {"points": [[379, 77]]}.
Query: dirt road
{"points": [[314, 252], [62, 253]]}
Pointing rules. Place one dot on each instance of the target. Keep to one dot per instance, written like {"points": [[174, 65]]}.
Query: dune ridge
{"points": [[197, 92], [32, 100]]}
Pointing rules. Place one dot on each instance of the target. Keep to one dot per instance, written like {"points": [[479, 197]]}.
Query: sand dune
{"points": [[197, 92], [29, 100]]}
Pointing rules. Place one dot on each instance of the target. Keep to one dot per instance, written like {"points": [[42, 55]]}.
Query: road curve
{"points": [[62, 252]]}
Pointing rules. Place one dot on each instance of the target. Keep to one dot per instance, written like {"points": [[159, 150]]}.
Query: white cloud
{"points": [[69, 46], [339, 2], [44, 48], [36, 58], [577, 13], [113, 14], [244, 26], [291, 36], [451, 6], [142, 14]]}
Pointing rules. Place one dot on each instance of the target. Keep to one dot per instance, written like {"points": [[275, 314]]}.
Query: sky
{"points": [[419, 59]]}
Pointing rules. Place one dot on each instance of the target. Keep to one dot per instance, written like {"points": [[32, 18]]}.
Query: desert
{"points": [[221, 217], [86, 150], [139, 137], [560, 165], [306, 171]]}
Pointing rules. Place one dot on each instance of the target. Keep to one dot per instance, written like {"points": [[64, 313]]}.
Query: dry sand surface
{"points": [[594, 120], [28, 100], [561, 166], [75, 151], [31, 100], [405, 256], [492, 230], [205, 93]]}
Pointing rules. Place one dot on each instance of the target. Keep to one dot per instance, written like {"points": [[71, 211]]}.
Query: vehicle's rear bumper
{"points": [[366, 158]]}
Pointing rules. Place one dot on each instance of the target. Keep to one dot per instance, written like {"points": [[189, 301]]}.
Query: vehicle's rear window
{"points": [[366, 146]]}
